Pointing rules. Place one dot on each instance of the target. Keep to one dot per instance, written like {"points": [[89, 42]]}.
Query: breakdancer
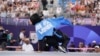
{"points": [[48, 34]]}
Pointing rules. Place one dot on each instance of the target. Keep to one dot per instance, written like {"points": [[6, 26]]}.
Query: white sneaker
{"points": [[62, 49]]}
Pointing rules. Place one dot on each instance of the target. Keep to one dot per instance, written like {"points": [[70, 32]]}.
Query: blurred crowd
{"points": [[17, 8], [85, 11], [85, 8], [80, 12]]}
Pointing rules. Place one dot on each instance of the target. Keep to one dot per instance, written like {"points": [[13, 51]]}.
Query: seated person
{"points": [[11, 41], [72, 45], [26, 46], [97, 49]]}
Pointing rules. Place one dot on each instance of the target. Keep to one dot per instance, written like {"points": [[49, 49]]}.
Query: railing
{"points": [[25, 21], [15, 21]]}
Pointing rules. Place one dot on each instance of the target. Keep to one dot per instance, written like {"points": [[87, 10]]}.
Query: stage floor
{"points": [[20, 53]]}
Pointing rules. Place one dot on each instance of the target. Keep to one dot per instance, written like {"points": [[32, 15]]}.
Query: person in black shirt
{"points": [[3, 39], [44, 3]]}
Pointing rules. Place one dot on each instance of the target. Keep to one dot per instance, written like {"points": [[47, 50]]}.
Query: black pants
{"points": [[50, 42], [53, 41], [46, 43]]}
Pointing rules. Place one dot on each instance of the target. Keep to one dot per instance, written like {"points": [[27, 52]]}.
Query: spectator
{"points": [[3, 12], [12, 41], [45, 13], [3, 39], [93, 44], [27, 46], [71, 46], [82, 46], [59, 11], [98, 13], [44, 3], [97, 49], [22, 36]]}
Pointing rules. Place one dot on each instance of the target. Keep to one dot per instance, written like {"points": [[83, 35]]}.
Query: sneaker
{"points": [[62, 49]]}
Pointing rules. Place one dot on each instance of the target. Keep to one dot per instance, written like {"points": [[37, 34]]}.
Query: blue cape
{"points": [[46, 26]]}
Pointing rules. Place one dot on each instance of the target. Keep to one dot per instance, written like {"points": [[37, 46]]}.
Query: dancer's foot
{"points": [[62, 49]]}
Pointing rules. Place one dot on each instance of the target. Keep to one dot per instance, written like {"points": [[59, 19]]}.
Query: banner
{"points": [[46, 26]]}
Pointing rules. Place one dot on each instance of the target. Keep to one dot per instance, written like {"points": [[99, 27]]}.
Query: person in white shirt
{"points": [[27, 46], [59, 11], [45, 13], [22, 36]]}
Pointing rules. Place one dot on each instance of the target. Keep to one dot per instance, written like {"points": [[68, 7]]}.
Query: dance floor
{"points": [[20, 53]]}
